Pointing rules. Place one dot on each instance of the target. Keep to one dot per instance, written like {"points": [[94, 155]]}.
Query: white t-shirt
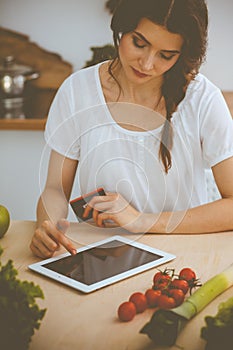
{"points": [[80, 126]]}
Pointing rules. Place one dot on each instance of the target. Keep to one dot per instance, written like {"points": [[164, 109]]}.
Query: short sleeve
{"points": [[61, 131], [216, 129]]}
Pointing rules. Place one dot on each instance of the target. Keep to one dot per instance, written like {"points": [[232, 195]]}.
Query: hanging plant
{"points": [[100, 54]]}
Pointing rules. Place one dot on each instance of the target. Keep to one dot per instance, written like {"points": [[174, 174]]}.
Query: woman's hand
{"points": [[49, 237], [114, 207]]}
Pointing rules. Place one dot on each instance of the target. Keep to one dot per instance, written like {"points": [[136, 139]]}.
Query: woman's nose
{"points": [[147, 62]]}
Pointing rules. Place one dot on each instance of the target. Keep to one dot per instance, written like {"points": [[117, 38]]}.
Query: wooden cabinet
{"points": [[38, 94]]}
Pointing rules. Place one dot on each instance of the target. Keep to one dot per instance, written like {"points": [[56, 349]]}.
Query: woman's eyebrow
{"points": [[144, 39], [171, 51]]}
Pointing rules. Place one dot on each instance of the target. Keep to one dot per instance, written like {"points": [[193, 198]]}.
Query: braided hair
{"points": [[188, 18]]}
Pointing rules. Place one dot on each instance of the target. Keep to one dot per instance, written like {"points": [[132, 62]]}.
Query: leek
{"points": [[165, 325]]}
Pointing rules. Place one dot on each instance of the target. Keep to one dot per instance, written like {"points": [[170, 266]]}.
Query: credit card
{"points": [[79, 204]]}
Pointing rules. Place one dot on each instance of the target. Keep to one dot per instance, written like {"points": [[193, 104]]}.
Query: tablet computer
{"points": [[101, 263]]}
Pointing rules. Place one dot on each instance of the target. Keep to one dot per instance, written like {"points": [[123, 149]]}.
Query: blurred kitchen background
{"points": [[70, 29]]}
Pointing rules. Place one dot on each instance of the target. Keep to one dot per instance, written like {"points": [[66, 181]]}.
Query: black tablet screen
{"points": [[101, 262]]}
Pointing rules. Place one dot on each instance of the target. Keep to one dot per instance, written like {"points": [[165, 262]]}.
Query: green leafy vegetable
{"points": [[165, 325], [218, 331], [19, 313]]}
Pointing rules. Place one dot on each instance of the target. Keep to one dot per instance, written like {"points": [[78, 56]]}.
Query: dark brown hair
{"points": [[188, 18]]}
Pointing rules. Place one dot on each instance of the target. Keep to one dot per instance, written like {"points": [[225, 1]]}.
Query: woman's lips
{"points": [[139, 74]]}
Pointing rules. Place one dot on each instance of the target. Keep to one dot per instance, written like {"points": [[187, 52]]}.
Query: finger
{"points": [[90, 206], [63, 225], [95, 208], [36, 251], [87, 211], [42, 245], [110, 194], [65, 242], [111, 207], [40, 250], [95, 215], [101, 199], [99, 208], [96, 202], [102, 217], [58, 236]]}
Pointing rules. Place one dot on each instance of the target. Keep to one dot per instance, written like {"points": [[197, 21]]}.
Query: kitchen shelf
{"points": [[22, 124]]}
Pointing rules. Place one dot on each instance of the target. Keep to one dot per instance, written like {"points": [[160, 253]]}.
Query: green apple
{"points": [[4, 220]]}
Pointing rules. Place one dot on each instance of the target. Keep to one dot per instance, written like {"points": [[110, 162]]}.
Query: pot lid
{"points": [[10, 67]]}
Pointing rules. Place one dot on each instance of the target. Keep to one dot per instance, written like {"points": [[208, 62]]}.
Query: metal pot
{"points": [[13, 77]]}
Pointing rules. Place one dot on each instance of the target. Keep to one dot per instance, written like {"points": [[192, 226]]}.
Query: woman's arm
{"points": [[211, 217], [52, 207]]}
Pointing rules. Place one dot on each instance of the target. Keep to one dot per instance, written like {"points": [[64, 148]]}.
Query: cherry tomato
{"points": [[126, 311], [139, 300], [161, 280], [178, 295], [161, 277], [187, 274], [179, 284], [162, 285], [152, 297], [166, 302]]}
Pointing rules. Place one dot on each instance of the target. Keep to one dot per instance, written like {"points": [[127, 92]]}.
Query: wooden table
{"points": [[89, 321]]}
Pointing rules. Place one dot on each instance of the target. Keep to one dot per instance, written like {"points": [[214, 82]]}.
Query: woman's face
{"points": [[148, 52]]}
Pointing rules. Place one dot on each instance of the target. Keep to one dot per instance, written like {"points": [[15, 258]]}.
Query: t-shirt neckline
{"points": [[108, 113]]}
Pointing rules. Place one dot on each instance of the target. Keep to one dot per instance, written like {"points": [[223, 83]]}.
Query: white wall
{"points": [[20, 154], [23, 169], [70, 28], [219, 67]]}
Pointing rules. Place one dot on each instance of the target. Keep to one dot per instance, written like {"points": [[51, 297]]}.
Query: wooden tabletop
{"points": [[89, 321]]}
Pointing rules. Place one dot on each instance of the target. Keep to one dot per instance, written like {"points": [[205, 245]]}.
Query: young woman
{"points": [[143, 126]]}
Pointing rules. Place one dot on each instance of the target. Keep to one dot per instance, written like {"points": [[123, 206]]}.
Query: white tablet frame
{"points": [[165, 257]]}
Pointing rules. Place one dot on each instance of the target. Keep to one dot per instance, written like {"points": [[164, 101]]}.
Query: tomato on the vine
{"points": [[139, 300], [152, 297], [126, 311], [161, 286], [187, 274], [168, 291], [161, 277], [178, 295], [179, 284], [166, 302]]}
